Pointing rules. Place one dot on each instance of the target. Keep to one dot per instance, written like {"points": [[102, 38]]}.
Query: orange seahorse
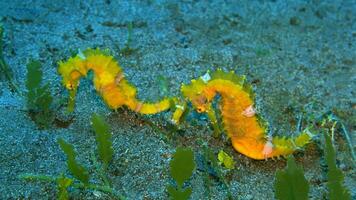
{"points": [[109, 81], [241, 122]]}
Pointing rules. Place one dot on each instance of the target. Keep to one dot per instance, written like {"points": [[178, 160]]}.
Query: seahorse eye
{"points": [[69, 86], [200, 109]]}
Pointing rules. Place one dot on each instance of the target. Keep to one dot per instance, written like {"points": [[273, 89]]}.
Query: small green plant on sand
{"points": [[163, 84], [39, 98], [181, 169], [290, 183], [128, 50], [103, 139], [335, 177], [226, 160], [213, 168], [5, 71], [80, 178], [76, 169]]}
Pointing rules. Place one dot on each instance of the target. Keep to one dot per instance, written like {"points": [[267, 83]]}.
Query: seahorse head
{"points": [[71, 71], [196, 93]]}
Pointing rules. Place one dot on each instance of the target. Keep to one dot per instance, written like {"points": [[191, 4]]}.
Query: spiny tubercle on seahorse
{"points": [[109, 81], [248, 131]]}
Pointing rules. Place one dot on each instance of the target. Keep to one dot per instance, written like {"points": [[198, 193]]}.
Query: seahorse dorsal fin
{"points": [[231, 76], [90, 52], [249, 89], [262, 122]]}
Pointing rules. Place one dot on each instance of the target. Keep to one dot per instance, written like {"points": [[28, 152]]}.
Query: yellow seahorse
{"points": [[248, 131], [109, 81]]}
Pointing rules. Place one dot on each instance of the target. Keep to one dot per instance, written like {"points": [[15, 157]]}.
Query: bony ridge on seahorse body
{"points": [[109, 81], [248, 131]]}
